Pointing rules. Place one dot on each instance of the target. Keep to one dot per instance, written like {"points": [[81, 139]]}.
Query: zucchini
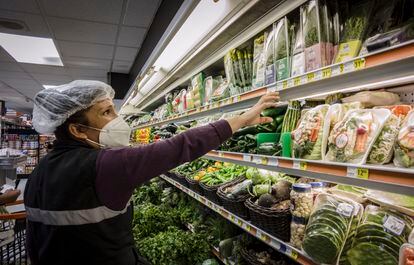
{"points": [[246, 130], [272, 112]]}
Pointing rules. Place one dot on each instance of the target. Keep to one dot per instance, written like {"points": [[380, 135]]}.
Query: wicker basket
{"points": [[210, 192], [275, 222], [194, 185], [248, 258], [181, 179], [235, 206]]}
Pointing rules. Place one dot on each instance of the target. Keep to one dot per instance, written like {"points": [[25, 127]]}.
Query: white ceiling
{"points": [[93, 37]]}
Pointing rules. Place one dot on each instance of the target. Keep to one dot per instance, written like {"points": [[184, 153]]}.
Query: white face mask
{"points": [[115, 133]]}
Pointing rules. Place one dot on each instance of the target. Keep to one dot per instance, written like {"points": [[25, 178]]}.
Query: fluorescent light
{"points": [[49, 86], [26, 49]]}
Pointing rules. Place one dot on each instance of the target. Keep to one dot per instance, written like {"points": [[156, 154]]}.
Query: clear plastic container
{"points": [[297, 231], [317, 188], [301, 198]]}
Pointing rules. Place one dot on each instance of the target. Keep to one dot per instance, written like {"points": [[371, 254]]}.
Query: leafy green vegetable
{"points": [[368, 253]]}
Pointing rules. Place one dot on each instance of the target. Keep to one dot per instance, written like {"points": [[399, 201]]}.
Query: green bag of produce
{"points": [[282, 49]]}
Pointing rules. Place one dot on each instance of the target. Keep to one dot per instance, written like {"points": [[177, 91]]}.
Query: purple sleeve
{"points": [[120, 171]]}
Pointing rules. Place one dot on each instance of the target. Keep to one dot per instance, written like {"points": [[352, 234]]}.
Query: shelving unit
{"points": [[387, 178], [386, 68], [272, 241]]}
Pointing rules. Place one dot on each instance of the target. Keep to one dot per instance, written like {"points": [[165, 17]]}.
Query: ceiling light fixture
{"points": [[41, 51]]}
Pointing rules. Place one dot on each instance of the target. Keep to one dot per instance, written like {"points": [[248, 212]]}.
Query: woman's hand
{"points": [[252, 116]]}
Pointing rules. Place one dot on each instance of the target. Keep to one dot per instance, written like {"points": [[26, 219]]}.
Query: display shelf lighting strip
{"points": [[272, 241], [382, 177]]}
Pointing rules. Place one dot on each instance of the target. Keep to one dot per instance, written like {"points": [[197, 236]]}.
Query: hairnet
{"points": [[53, 106]]}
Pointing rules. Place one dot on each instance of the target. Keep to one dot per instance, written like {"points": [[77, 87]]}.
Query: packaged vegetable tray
{"points": [[308, 135], [327, 229], [351, 140], [404, 147], [379, 237]]}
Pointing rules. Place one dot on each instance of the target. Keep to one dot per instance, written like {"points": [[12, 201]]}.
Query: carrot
{"points": [[360, 142]]}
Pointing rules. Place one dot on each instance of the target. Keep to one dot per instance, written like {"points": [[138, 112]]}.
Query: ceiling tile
{"points": [[140, 13], [131, 36], [109, 11], [88, 72], [121, 67], [43, 69], [87, 63], [52, 77], [35, 24], [20, 5], [10, 66], [77, 49], [14, 75], [125, 53], [75, 30]]}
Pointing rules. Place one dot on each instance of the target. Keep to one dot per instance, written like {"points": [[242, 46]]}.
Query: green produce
{"points": [[378, 237], [271, 149], [257, 178], [210, 262], [238, 190], [226, 247], [389, 198], [273, 112], [261, 189], [223, 175], [291, 117], [327, 229], [266, 200], [281, 190]]}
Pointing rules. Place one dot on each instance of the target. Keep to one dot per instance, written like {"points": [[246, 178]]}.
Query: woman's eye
{"points": [[106, 112]]}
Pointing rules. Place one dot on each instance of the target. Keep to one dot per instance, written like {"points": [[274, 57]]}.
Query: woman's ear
{"points": [[77, 132]]}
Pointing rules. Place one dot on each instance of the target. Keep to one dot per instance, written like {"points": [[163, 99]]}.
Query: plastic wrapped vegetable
{"points": [[259, 62], [210, 85], [269, 51], [404, 147], [198, 91], [298, 47], [382, 149], [351, 139], [308, 136], [282, 49], [222, 91], [379, 237], [327, 228], [355, 28]]}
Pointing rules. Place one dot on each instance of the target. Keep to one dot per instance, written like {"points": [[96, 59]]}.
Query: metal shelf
{"points": [[386, 68], [379, 177], [272, 241]]}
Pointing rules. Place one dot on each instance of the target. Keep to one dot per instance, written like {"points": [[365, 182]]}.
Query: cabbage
{"points": [[254, 174]]}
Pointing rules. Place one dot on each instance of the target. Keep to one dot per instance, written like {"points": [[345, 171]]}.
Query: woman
{"points": [[78, 197]]}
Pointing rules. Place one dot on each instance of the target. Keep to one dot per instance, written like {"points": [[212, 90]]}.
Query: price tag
{"points": [[318, 75], [262, 236], [345, 209], [220, 154], [300, 165], [272, 161], [310, 77], [394, 224], [349, 67], [285, 84], [290, 83], [257, 159], [354, 172], [279, 86], [247, 227], [296, 81], [359, 64], [336, 70], [247, 158], [293, 254], [326, 73], [236, 99]]}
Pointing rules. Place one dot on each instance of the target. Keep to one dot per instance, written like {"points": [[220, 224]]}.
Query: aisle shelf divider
{"points": [[382, 177], [393, 64], [272, 241]]}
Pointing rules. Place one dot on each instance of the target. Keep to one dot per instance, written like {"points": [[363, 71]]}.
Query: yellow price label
{"points": [[294, 255], [363, 173], [248, 228], [311, 77], [285, 84], [296, 81], [264, 161], [326, 73], [341, 68], [359, 63]]}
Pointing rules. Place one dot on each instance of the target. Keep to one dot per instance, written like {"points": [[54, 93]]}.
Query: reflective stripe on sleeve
{"points": [[75, 217]]}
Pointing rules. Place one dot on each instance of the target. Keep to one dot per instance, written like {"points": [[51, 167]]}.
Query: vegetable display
{"points": [[237, 65], [352, 138], [227, 173], [291, 117], [269, 57], [282, 49], [308, 136], [404, 147], [259, 63], [379, 237], [327, 228], [298, 50]]}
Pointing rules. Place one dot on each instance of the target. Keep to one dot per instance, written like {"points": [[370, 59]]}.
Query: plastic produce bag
{"points": [[351, 139], [379, 237], [282, 49], [210, 85], [315, 20], [382, 149], [298, 47], [404, 147], [198, 91], [269, 51], [373, 98], [355, 29], [259, 61], [308, 136], [189, 99], [327, 228], [222, 91]]}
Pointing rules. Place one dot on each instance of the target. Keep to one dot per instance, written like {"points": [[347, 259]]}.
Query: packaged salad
{"points": [[351, 139], [308, 136], [379, 237], [404, 147], [327, 229]]}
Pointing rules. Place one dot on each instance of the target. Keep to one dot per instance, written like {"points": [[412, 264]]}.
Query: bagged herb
{"points": [[269, 51], [298, 52], [282, 54], [259, 61]]}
